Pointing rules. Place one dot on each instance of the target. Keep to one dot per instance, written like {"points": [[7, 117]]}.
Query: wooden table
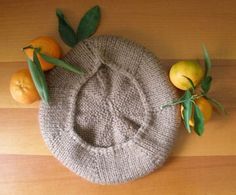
{"points": [[173, 30]]}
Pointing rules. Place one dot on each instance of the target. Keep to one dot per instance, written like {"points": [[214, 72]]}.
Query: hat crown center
{"points": [[109, 109]]}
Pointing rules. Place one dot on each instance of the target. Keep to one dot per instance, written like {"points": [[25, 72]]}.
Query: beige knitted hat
{"points": [[106, 125]]}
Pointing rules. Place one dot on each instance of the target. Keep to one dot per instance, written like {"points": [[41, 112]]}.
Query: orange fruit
{"points": [[47, 46], [190, 69], [204, 106], [22, 87]]}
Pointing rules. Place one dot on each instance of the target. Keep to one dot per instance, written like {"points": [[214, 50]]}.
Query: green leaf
{"points": [[66, 32], [198, 120], [41, 75], [61, 64], [207, 61], [37, 79], [190, 81], [89, 23], [217, 105], [206, 84], [187, 111]]}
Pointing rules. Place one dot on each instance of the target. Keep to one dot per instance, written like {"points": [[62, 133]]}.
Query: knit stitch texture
{"points": [[106, 125]]}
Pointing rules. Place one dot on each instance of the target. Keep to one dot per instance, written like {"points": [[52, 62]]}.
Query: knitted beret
{"points": [[107, 125]]}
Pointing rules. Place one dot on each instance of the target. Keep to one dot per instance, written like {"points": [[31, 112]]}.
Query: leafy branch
{"points": [[207, 80], [38, 74], [188, 101]]}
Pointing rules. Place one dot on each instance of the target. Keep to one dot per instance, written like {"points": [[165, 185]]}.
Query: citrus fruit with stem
{"points": [[183, 69], [204, 106], [47, 46], [22, 87]]}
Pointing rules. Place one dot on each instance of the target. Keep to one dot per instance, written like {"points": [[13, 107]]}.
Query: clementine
{"points": [[22, 87], [47, 46], [183, 69], [204, 106]]}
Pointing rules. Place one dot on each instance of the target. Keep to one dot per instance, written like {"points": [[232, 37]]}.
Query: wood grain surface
{"points": [[173, 30], [181, 175]]}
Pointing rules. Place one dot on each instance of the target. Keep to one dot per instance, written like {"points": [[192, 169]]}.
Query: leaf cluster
{"points": [[190, 108], [86, 27], [38, 74]]}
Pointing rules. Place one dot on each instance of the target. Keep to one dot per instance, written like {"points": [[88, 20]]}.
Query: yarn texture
{"points": [[106, 125]]}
